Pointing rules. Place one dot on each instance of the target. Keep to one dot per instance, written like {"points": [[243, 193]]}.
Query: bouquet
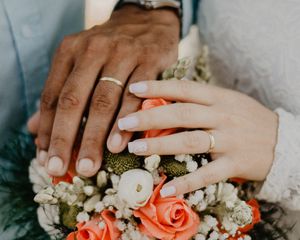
{"points": [[123, 200]]}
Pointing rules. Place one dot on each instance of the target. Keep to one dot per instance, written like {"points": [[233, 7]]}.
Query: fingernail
{"points": [[137, 146], [167, 191], [85, 165], [116, 140], [55, 165], [140, 87], [42, 156], [128, 123]]}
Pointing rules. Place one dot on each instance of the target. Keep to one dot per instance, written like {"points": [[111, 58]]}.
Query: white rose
{"points": [[152, 162], [135, 188]]}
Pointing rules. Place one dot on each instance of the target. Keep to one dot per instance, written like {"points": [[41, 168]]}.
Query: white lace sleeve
{"points": [[283, 182]]}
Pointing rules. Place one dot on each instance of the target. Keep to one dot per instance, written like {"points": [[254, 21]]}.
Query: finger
{"points": [[72, 101], [60, 69], [185, 115], [180, 143], [118, 140], [176, 90], [104, 103], [211, 173], [33, 123]]}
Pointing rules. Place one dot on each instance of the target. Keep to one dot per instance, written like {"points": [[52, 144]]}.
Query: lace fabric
{"points": [[255, 48]]}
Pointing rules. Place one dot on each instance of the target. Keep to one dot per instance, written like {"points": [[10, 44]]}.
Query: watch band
{"points": [[154, 4]]}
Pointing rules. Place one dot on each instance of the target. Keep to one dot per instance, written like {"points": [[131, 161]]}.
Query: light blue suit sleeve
{"points": [[187, 19]]}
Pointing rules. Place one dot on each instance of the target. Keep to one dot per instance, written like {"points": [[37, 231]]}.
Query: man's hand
{"points": [[134, 45]]}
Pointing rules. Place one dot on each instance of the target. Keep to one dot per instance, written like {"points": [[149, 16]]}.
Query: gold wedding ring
{"points": [[113, 80], [212, 142]]}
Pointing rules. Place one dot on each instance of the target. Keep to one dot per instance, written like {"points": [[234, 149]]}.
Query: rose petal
{"points": [[152, 103], [155, 229], [160, 217]]}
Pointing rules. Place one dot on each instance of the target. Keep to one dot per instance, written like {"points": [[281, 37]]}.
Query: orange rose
{"points": [[91, 230], [167, 218], [152, 103]]}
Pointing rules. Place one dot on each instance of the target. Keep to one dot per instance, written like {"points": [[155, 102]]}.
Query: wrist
{"points": [[133, 12]]}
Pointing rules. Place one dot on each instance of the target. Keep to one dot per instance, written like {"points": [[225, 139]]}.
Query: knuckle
{"points": [[185, 112], [192, 140], [91, 142], [102, 102], [44, 135], [184, 88], [66, 44], [59, 142], [68, 100], [48, 101], [188, 184], [95, 44]]}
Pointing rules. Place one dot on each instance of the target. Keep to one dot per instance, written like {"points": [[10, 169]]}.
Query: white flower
{"points": [[227, 193], [183, 158], [109, 200], [241, 214], [156, 177], [200, 237], [115, 179], [99, 207], [211, 221], [89, 205], [204, 228], [89, 190], [121, 225], [191, 166], [204, 161], [195, 198], [45, 196], [224, 236], [229, 226], [247, 238], [38, 176], [135, 188], [102, 225], [83, 217], [152, 162], [214, 236], [48, 217], [101, 179]]}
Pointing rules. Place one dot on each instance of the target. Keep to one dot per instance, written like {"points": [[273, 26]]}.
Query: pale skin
{"points": [[245, 131]]}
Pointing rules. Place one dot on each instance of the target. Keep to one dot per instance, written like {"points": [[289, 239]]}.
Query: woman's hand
{"points": [[244, 131]]}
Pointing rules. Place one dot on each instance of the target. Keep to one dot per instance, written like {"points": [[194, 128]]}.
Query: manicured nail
{"points": [[140, 87], [128, 123], [42, 156], [116, 140], [85, 165], [55, 165], [167, 191], [137, 147]]}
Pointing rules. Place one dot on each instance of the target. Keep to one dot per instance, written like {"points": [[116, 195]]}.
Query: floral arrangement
{"points": [[123, 200]]}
